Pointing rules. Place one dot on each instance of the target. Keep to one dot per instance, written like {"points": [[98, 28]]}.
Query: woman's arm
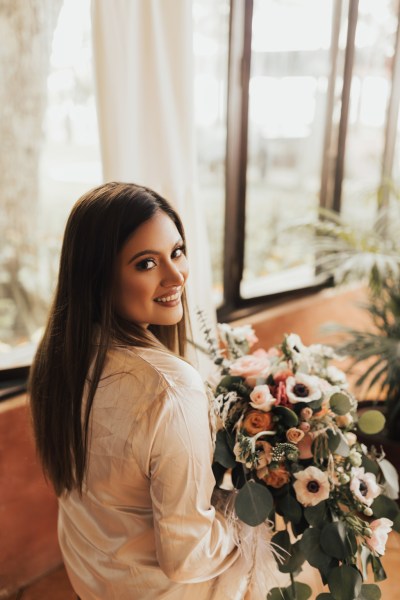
{"points": [[193, 542]]}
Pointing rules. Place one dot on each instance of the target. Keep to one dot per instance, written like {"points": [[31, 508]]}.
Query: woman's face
{"points": [[151, 270]]}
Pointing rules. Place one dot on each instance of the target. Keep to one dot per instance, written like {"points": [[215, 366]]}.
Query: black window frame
{"points": [[234, 306]]}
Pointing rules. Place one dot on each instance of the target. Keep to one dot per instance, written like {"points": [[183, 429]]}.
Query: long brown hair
{"points": [[99, 224]]}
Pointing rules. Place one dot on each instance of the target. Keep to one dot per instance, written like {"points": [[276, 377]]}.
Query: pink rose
{"points": [[380, 530], [304, 426], [261, 398], [306, 413], [294, 435], [251, 366]]}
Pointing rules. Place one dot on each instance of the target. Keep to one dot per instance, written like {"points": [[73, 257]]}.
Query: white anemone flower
{"points": [[311, 486], [364, 486], [302, 388]]}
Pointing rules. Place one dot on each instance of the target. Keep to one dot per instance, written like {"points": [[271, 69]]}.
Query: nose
{"points": [[173, 276]]}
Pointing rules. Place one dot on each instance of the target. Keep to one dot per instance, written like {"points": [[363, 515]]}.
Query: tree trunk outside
{"points": [[26, 33]]}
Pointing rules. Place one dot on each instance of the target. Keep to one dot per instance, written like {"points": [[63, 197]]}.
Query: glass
{"points": [[211, 37], [290, 68], [69, 165], [369, 96]]}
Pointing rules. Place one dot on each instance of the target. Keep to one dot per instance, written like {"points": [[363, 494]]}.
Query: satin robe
{"points": [[144, 528]]}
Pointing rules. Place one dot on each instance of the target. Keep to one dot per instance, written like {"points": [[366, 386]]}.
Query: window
{"points": [[48, 172], [296, 107], [312, 105]]}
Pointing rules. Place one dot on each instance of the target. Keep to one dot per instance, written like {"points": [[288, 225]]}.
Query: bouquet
{"points": [[286, 442]]}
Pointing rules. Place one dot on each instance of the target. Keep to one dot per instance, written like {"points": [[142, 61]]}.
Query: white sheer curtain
{"points": [[144, 78]]}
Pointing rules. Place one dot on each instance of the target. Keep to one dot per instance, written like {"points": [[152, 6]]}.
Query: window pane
{"points": [[211, 36], [290, 67], [68, 164], [370, 91]]}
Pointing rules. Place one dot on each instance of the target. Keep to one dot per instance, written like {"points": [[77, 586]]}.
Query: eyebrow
{"points": [[149, 251]]}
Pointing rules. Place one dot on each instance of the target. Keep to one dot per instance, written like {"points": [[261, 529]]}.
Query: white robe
{"points": [[144, 528]]}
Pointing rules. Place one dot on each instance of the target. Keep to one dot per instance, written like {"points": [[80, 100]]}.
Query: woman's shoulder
{"points": [[154, 365]]}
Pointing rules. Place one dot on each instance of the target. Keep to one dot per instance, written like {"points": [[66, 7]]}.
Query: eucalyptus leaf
{"points": [[287, 416], [223, 454], [377, 568], [344, 583], [334, 540], [316, 515], [253, 503], [369, 591], [219, 472], [293, 562], [340, 403], [232, 383], [383, 506], [289, 508], [370, 465], [337, 443], [371, 422], [396, 524], [310, 545], [301, 591]]}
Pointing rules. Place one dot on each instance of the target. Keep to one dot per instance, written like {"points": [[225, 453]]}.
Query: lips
{"points": [[170, 297]]}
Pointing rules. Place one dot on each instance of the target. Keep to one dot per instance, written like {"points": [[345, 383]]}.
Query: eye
{"points": [[179, 251], [146, 264]]}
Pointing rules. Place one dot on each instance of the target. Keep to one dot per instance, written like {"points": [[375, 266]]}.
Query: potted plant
{"points": [[348, 251]]}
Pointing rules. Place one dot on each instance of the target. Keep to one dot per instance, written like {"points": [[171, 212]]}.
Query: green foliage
{"points": [[371, 422], [340, 403], [253, 503], [344, 583], [316, 515], [383, 506], [380, 347], [299, 591], [223, 453], [369, 591]]}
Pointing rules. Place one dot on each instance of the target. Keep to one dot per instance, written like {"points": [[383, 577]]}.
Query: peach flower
{"points": [[256, 421], [304, 446], [252, 366], [276, 478], [306, 413], [380, 530], [261, 398], [294, 435]]}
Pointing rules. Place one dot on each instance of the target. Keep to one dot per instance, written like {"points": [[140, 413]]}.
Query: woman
{"points": [[121, 422]]}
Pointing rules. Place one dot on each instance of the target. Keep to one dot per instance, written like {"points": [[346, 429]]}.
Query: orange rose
{"points": [[305, 446], [276, 478], [256, 421], [294, 435]]}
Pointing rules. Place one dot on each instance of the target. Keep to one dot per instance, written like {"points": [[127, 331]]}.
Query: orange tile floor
{"points": [[55, 585]]}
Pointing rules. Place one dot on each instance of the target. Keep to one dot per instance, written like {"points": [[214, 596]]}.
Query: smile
{"points": [[171, 298]]}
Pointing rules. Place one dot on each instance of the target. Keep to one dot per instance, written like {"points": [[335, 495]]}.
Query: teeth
{"points": [[168, 298]]}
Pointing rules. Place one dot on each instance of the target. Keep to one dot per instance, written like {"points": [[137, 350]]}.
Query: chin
{"points": [[173, 318]]}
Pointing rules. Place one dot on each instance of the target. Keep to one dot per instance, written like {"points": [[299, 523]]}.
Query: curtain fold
{"points": [[144, 86]]}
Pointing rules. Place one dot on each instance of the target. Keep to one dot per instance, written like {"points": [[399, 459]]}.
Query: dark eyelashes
{"points": [[148, 263]]}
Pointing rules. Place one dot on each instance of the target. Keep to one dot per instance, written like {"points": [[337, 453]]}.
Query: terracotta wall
{"points": [[28, 508]]}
